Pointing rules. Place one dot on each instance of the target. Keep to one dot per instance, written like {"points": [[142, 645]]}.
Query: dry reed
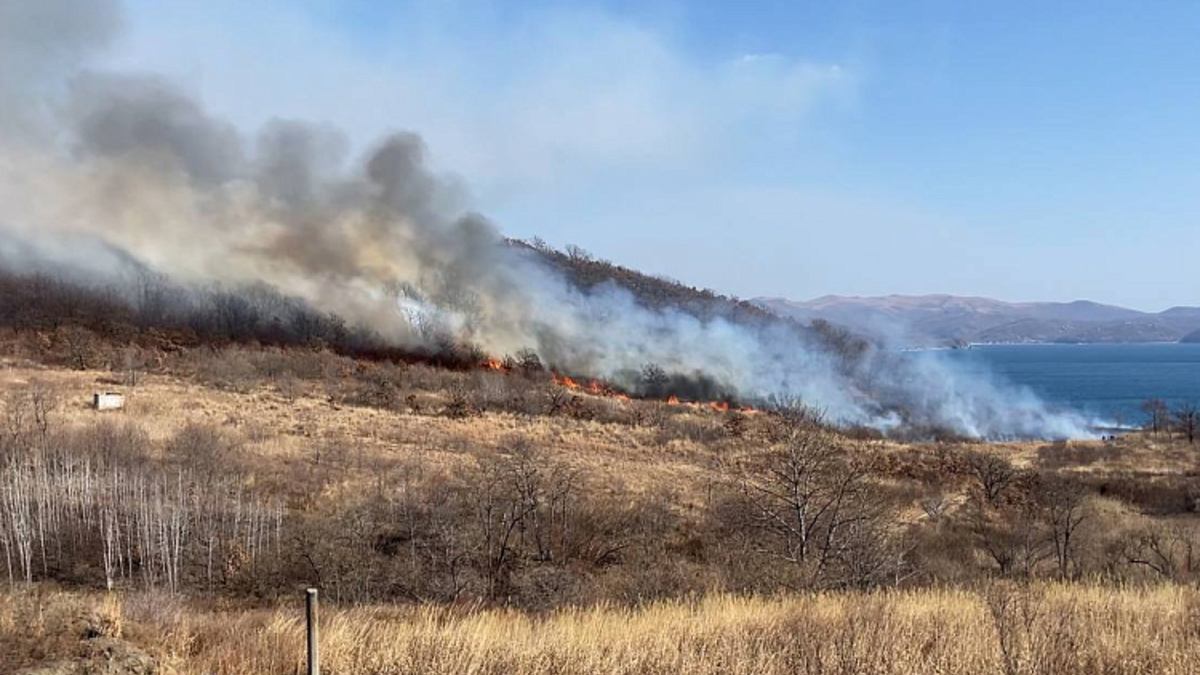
{"points": [[1000, 629]]}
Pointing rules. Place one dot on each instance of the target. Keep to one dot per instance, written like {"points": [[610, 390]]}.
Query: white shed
{"points": [[108, 400]]}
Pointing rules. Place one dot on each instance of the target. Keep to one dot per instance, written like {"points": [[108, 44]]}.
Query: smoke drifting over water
{"points": [[104, 173]]}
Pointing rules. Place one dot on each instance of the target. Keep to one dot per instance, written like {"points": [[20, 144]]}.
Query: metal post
{"points": [[314, 653]]}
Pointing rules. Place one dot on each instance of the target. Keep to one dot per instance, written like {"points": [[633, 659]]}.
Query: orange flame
{"points": [[599, 388], [566, 382]]}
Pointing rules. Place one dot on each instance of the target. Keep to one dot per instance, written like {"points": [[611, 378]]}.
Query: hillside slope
{"points": [[937, 320], [658, 293]]}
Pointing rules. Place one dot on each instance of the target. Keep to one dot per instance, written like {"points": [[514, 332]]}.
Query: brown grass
{"points": [[280, 428], [286, 426], [1045, 629], [1042, 628]]}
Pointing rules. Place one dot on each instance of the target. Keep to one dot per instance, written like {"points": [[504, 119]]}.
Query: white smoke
{"points": [[100, 171]]}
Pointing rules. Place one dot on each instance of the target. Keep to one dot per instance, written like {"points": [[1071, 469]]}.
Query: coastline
{"points": [[972, 345]]}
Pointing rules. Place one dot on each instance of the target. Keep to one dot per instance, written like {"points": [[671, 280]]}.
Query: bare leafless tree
{"points": [[1158, 417], [1187, 417], [1014, 610], [1167, 550], [138, 519], [992, 474], [558, 400], [1064, 507], [1012, 537], [460, 406], [28, 419], [813, 500], [934, 505], [79, 346], [133, 365], [523, 502], [579, 254], [500, 517], [545, 490]]}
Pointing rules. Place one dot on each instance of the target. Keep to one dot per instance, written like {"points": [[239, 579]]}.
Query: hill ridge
{"points": [[940, 319]]}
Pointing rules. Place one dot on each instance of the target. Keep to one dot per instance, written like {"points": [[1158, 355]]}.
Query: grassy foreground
{"points": [[1000, 629]]}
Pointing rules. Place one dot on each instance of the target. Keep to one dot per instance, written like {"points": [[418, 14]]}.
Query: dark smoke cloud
{"points": [[143, 119], [136, 166]]}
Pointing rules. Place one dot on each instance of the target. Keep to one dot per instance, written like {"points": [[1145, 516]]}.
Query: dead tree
{"points": [[1064, 509], [524, 506], [500, 517], [813, 501], [133, 364], [1158, 417], [79, 346], [28, 419], [558, 400], [991, 473], [1013, 537], [1187, 417]]}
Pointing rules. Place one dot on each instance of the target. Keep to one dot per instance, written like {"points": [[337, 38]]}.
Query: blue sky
{"points": [[1017, 150]]}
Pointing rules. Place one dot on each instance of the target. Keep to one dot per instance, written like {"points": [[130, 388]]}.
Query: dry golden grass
{"points": [[1039, 629], [280, 429], [1139, 452], [304, 427], [1044, 629]]}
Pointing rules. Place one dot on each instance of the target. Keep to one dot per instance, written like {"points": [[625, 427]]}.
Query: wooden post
{"points": [[314, 653]]}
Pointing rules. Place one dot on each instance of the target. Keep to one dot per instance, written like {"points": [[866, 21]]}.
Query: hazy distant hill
{"points": [[932, 320]]}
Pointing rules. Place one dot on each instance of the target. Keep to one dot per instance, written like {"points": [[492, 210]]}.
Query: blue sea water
{"points": [[1102, 381]]}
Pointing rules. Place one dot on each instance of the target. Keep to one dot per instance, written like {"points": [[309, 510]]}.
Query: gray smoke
{"points": [[128, 170], [144, 120], [42, 43]]}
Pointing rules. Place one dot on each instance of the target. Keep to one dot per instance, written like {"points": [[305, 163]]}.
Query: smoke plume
{"points": [[102, 173]]}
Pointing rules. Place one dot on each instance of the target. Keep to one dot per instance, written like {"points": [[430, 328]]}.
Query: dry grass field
{"points": [[285, 429], [288, 428], [629, 538], [1044, 629]]}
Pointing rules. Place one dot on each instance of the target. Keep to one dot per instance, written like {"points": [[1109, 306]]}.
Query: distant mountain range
{"points": [[948, 320]]}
